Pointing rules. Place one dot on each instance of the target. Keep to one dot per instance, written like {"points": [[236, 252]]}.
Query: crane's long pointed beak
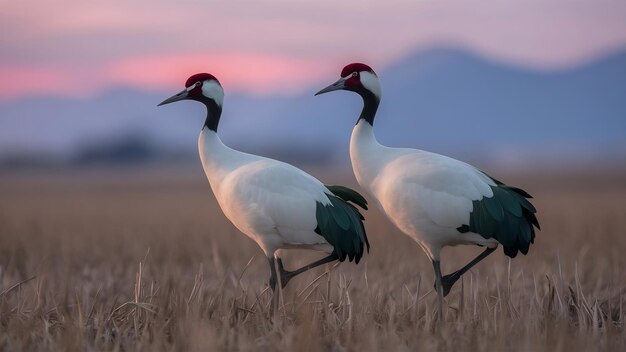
{"points": [[177, 97], [340, 84]]}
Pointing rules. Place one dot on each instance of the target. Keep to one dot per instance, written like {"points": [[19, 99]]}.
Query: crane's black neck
{"points": [[370, 106], [213, 114]]}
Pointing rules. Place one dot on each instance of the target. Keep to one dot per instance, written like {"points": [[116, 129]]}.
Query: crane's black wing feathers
{"points": [[341, 223], [507, 216]]}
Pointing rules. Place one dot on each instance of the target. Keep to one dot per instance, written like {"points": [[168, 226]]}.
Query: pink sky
{"points": [[79, 48]]}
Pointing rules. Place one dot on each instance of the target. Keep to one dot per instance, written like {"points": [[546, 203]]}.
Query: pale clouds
{"points": [[86, 46]]}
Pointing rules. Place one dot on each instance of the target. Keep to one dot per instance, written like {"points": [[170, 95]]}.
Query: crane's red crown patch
{"points": [[199, 77], [355, 67]]}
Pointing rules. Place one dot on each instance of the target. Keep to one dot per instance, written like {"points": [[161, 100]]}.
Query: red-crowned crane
{"points": [[436, 200], [275, 204]]}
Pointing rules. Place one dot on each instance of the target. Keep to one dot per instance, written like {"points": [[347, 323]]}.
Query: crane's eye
{"points": [[354, 74], [198, 84]]}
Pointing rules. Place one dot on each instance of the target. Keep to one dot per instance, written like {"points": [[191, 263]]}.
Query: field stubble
{"points": [[145, 260]]}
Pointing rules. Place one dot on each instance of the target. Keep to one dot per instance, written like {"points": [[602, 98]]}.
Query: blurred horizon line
{"points": [[470, 107]]}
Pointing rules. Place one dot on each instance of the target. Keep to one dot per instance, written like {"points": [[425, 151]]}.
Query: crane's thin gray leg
{"points": [[274, 302], [449, 280], [285, 275], [272, 273], [439, 287]]}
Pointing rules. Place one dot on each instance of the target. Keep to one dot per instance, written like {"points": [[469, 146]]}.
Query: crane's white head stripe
{"points": [[370, 82], [213, 90]]}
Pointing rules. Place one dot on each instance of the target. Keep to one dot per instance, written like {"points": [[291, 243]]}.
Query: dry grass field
{"points": [[144, 260]]}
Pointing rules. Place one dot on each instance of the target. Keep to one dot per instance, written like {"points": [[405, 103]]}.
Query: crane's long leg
{"points": [[449, 280], [272, 273], [285, 275], [439, 287], [273, 278]]}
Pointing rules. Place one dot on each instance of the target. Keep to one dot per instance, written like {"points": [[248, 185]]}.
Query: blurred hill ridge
{"points": [[440, 99]]}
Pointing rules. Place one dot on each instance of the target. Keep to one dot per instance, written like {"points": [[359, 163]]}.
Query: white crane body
{"points": [[426, 195], [275, 204], [271, 202], [436, 200]]}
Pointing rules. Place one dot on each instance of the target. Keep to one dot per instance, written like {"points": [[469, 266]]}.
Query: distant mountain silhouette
{"points": [[455, 100], [441, 99]]}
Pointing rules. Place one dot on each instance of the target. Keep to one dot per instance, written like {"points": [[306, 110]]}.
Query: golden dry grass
{"points": [[144, 260]]}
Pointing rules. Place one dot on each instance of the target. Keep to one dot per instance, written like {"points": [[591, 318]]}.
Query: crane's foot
{"points": [[285, 276], [448, 281]]}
